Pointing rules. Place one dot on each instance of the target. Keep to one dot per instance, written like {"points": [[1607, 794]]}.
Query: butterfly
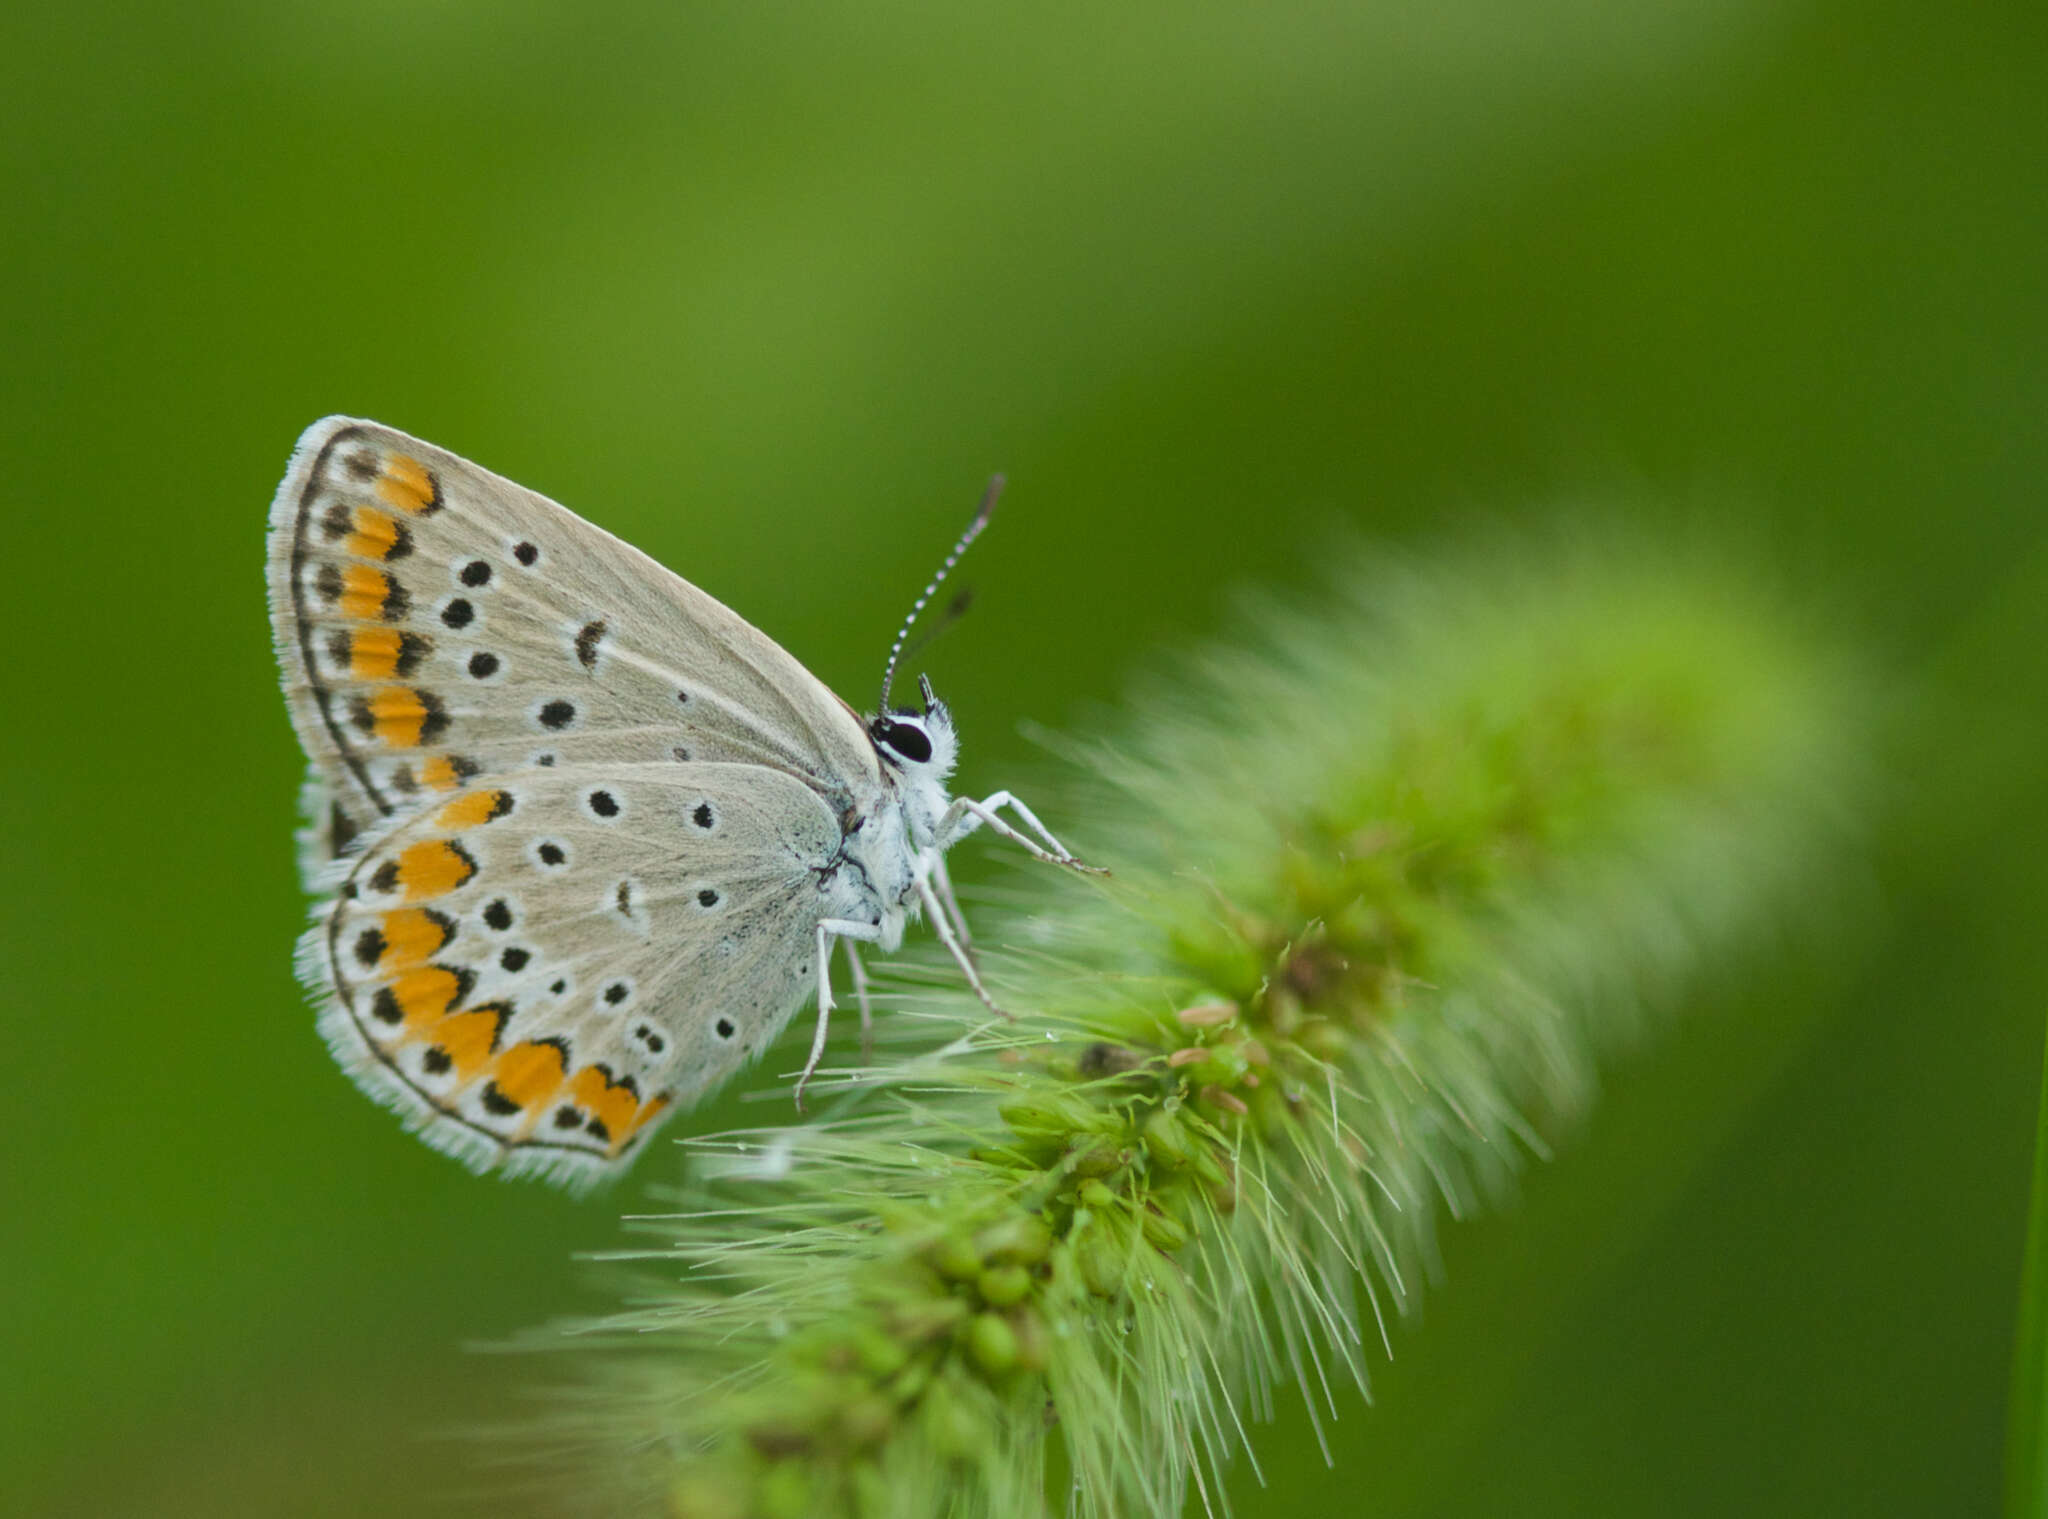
{"points": [[584, 839]]}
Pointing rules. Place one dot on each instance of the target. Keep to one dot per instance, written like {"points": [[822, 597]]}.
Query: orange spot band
{"points": [[614, 1103], [399, 715], [432, 868], [376, 533], [477, 807], [468, 1039], [529, 1074], [406, 485], [364, 591], [425, 993], [412, 936], [440, 774], [373, 653]]}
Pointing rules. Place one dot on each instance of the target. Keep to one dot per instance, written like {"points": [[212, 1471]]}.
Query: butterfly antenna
{"points": [[941, 620], [981, 516]]}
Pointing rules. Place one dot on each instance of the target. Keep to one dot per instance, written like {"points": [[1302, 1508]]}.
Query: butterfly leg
{"points": [[860, 995], [944, 930], [966, 815], [944, 882], [830, 931]]}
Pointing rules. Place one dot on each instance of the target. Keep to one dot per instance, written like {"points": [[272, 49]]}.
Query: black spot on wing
{"points": [[587, 641], [497, 1103]]}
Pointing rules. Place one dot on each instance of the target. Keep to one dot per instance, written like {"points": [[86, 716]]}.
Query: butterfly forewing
{"points": [[440, 626], [541, 967]]}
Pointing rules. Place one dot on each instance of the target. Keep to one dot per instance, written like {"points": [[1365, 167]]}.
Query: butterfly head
{"points": [[919, 746]]}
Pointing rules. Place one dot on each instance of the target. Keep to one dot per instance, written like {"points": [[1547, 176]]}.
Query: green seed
{"points": [[905, 1386], [1002, 1286], [1034, 1345], [1324, 1039], [914, 1323], [1208, 1164], [1165, 1140], [1098, 1160], [878, 1354], [1100, 1260], [1030, 1120], [1021, 1238], [1162, 1230], [992, 1343], [956, 1259], [1053, 1115]]}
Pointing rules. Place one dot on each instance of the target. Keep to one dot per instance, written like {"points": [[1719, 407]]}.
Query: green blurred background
{"points": [[769, 290]]}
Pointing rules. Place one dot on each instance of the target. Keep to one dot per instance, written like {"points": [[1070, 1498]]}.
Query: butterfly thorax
{"points": [[891, 841]]}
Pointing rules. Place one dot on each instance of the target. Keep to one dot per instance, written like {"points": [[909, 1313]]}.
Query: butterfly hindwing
{"points": [[440, 626], [538, 969]]}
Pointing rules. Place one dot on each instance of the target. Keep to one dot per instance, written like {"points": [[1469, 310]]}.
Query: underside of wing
{"points": [[438, 625], [536, 971]]}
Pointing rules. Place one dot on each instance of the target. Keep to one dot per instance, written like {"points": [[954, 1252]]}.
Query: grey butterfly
{"points": [[586, 839]]}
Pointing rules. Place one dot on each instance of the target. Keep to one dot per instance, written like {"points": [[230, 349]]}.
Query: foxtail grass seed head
{"points": [[1390, 875]]}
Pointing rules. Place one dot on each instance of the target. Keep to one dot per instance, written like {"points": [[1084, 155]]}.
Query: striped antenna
{"points": [[981, 516]]}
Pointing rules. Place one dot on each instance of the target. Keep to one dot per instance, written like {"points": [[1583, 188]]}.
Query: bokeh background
{"points": [[769, 290]]}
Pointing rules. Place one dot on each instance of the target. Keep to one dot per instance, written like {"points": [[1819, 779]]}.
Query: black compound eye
{"points": [[907, 740]]}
